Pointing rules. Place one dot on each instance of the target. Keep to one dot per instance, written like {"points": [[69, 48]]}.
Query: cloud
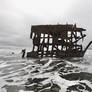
{"points": [[17, 16]]}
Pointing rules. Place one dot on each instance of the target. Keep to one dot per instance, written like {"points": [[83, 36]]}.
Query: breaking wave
{"points": [[46, 74]]}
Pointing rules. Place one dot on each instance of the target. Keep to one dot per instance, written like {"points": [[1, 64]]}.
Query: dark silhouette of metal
{"points": [[23, 53], [57, 40], [87, 46]]}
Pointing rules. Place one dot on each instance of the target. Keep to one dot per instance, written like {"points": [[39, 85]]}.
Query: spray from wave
{"points": [[46, 74]]}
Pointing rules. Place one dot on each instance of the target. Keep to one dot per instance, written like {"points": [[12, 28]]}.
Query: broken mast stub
{"points": [[56, 40]]}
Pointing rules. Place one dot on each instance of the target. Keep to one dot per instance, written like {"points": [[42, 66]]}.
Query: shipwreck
{"points": [[57, 41]]}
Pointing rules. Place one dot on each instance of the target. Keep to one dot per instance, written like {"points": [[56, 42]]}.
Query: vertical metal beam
{"points": [[47, 46], [34, 42], [52, 45], [42, 52]]}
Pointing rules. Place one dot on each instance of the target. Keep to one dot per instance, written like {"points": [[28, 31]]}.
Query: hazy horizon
{"points": [[17, 17]]}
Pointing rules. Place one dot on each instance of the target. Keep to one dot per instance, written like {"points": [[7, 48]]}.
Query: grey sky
{"points": [[17, 16]]}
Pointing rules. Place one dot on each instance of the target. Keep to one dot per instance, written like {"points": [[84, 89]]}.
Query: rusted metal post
{"points": [[42, 51]]}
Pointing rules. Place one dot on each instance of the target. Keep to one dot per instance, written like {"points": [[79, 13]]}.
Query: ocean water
{"points": [[46, 74]]}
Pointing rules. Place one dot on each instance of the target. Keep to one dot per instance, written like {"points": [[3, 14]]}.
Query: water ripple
{"points": [[45, 75]]}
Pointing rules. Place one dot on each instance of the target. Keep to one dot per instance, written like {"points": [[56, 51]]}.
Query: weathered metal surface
{"points": [[55, 28], [56, 40]]}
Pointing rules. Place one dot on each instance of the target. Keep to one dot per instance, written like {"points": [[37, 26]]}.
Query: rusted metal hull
{"points": [[57, 41], [59, 54]]}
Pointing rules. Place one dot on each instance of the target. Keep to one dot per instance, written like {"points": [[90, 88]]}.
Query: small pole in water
{"points": [[23, 53]]}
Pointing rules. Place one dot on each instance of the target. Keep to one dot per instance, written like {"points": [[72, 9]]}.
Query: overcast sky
{"points": [[17, 16]]}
